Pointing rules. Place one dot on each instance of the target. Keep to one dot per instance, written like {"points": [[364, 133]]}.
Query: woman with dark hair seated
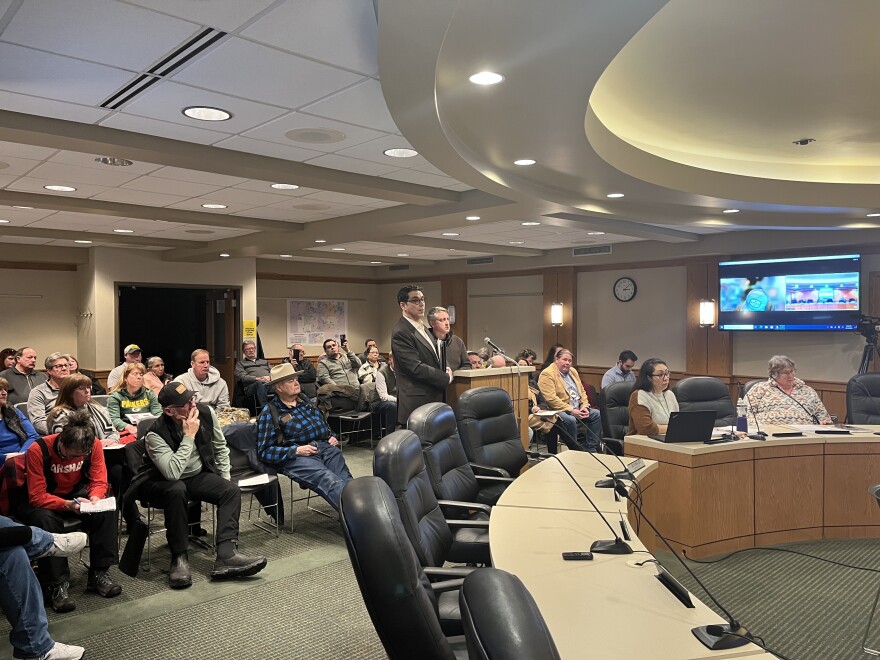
{"points": [[16, 431], [651, 402], [7, 358], [551, 357], [65, 471]]}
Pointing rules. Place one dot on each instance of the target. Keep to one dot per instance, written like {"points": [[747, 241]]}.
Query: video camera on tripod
{"points": [[869, 328]]}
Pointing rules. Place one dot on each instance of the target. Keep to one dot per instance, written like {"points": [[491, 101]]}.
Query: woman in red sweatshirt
{"points": [[63, 471]]}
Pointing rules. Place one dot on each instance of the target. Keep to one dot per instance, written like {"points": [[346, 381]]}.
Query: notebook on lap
{"points": [[688, 426]]}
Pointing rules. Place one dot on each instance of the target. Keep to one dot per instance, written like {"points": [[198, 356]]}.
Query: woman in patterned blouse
{"points": [[785, 399]]}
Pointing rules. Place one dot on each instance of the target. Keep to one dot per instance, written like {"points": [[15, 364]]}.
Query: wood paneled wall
{"points": [[707, 350], [560, 285], [454, 291]]}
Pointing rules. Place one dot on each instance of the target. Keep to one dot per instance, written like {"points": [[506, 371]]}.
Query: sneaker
{"points": [[101, 583], [180, 577], [65, 545], [64, 652], [60, 599], [237, 566]]}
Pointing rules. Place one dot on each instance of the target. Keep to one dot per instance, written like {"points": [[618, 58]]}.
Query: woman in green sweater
{"points": [[131, 398]]}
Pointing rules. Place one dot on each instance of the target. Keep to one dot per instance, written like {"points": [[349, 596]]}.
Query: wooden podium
{"points": [[510, 379]]}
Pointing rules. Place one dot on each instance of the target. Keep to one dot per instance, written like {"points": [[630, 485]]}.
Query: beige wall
{"points": [[508, 310], [652, 324]]}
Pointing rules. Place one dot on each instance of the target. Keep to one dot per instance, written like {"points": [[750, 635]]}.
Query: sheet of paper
{"points": [[254, 481], [107, 504]]}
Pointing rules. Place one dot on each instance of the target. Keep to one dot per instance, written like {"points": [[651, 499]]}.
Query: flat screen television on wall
{"points": [[804, 293]]}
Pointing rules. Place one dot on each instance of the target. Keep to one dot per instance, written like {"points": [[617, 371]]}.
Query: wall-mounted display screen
{"points": [[804, 293]]}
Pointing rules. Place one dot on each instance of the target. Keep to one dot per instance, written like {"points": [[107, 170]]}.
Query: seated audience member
{"points": [[295, 438], [340, 371], [253, 373], [63, 471], [484, 355], [131, 398], [528, 356], [551, 357], [440, 329], [496, 362], [16, 431], [622, 372], [368, 370], [651, 401], [368, 343], [131, 353], [540, 423], [784, 398], [76, 394], [303, 364], [20, 596], [42, 398], [155, 377], [74, 369], [7, 358], [22, 377], [475, 360], [205, 381], [187, 448], [386, 389], [564, 393]]}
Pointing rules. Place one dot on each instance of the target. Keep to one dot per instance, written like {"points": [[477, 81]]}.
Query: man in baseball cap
{"points": [[131, 353], [188, 449]]}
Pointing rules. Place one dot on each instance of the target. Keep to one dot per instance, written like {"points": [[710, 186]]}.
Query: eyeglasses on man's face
{"points": [[60, 366], [416, 301]]}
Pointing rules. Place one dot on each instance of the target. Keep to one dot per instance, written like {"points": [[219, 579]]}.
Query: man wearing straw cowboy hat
{"points": [[293, 436]]}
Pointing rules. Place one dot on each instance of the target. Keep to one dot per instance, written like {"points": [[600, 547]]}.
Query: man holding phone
{"points": [[308, 374]]}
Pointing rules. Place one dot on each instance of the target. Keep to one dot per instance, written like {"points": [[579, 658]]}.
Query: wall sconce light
{"points": [[707, 313], [451, 310], [556, 314]]}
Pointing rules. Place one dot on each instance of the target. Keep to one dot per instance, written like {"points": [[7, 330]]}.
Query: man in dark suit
{"points": [[419, 362]]}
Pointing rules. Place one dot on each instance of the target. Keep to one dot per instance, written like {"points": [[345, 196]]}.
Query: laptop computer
{"points": [[688, 426]]}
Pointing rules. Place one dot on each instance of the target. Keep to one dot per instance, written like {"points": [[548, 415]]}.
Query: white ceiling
{"points": [[687, 107]]}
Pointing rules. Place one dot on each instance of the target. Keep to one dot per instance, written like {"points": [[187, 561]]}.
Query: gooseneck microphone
{"points": [[758, 434], [611, 482], [615, 547], [493, 345]]}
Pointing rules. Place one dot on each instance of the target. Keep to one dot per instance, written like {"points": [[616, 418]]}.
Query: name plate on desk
{"points": [[636, 465]]}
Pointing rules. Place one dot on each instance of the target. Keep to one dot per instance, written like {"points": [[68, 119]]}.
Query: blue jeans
{"points": [[21, 597], [590, 428], [324, 472]]}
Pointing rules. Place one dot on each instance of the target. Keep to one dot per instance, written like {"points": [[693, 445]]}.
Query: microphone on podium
{"points": [[493, 345]]}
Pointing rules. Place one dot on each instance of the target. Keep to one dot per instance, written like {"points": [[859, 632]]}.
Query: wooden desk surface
{"points": [[608, 607]]}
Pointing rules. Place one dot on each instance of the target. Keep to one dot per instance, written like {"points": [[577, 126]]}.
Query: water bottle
{"points": [[742, 420]]}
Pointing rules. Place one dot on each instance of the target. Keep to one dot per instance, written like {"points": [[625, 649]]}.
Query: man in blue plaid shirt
{"points": [[294, 437]]}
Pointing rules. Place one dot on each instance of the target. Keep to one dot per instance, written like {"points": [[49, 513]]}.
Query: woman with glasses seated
{"points": [[651, 402], [785, 399]]}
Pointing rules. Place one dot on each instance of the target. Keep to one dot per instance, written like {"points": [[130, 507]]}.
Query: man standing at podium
{"points": [[421, 377]]}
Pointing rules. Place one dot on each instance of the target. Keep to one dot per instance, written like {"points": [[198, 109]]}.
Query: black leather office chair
{"points": [[404, 607], [398, 461], [614, 408], [863, 399], [752, 383], [502, 620], [706, 393], [452, 476], [488, 430]]}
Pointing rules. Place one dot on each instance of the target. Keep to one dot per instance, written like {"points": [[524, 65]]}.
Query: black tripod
{"points": [[871, 349]]}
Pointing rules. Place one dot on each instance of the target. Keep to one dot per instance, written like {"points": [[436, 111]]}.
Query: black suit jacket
{"points": [[420, 378]]}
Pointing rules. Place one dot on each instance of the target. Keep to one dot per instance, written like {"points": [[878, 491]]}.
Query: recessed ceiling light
{"points": [[24, 208], [614, 195], [320, 240], [402, 254], [516, 242], [595, 233], [730, 211], [472, 218], [285, 256], [449, 233], [83, 242], [530, 223], [284, 186], [213, 206], [401, 153], [224, 254], [124, 231], [524, 161], [375, 262], [873, 215], [60, 188], [486, 78], [3, 222], [204, 113], [338, 249], [115, 162]]}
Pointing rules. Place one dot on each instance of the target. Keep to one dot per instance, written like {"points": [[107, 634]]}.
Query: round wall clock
{"points": [[625, 289]]}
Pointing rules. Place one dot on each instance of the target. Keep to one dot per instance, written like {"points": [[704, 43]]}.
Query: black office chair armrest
{"points": [[434, 572], [478, 468], [615, 443], [467, 523], [486, 478], [469, 506], [447, 585]]}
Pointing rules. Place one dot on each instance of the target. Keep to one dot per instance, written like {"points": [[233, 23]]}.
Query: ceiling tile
{"points": [[165, 129], [287, 152], [253, 71], [31, 184], [36, 73], [340, 33], [101, 31], [88, 160], [185, 234], [362, 104], [278, 213], [265, 186], [170, 186], [245, 198], [459, 187], [24, 239], [209, 178], [5, 180], [422, 178], [22, 217], [226, 15], [73, 175], [33, 105], [18, 150], [274, 131], [128, 196], [166, 101], [351, 165], [16, 166], [339, 198]]}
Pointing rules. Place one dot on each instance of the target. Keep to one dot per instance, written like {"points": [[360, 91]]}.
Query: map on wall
{"points": [[311, 322]]}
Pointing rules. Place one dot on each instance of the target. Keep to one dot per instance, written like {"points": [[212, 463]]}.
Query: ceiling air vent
{"points": [[480, 261], [592, 249], [399, 267]]}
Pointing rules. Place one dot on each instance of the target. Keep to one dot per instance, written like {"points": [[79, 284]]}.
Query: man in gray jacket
{"points": [[336, 368], [22, 377], [205, 381], [253, 373]]}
